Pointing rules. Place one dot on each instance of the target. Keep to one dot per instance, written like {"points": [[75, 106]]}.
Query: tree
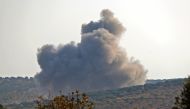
{"points": [[1, 106], [75, 101], [183, 101]]}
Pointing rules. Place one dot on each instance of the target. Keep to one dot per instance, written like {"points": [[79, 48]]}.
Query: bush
{"points": [[74, 101], [183, 101], [1, 106]]}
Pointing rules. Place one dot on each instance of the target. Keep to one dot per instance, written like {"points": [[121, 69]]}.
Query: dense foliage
{"points": [[1, 106], [183, 101]]}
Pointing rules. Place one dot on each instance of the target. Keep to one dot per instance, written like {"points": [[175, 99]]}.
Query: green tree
{"points": [[1, 106], [183, 101]]}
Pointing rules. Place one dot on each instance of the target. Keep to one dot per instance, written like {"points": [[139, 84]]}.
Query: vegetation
{"points": [[75, 101], [17, 90], [1, 106], [19, 93], [183, 101]]}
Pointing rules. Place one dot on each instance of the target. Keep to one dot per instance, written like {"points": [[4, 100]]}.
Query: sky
{"points": [[157, 32]]}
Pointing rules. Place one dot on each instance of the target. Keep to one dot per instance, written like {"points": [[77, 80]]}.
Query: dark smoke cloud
{"points": [[97, 62]]}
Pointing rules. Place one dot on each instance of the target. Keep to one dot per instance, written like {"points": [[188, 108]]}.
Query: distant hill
{"points": [[154, 95], [18, 93]]}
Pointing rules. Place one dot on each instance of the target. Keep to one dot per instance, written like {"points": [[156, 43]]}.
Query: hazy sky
{"points": [[157, 32]]}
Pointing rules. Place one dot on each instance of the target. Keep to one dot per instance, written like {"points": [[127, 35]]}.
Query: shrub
{"points": [[74, 101], [1, 106], [183, 101]]}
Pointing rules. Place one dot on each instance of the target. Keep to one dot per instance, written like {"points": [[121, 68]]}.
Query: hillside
{"points": [[156, 94], [150, 96]]}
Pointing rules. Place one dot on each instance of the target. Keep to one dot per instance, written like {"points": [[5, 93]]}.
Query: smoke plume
{"points": [[96, 63]]}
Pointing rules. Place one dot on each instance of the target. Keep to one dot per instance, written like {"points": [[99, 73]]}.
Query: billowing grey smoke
{"points": [[96, 63]]}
